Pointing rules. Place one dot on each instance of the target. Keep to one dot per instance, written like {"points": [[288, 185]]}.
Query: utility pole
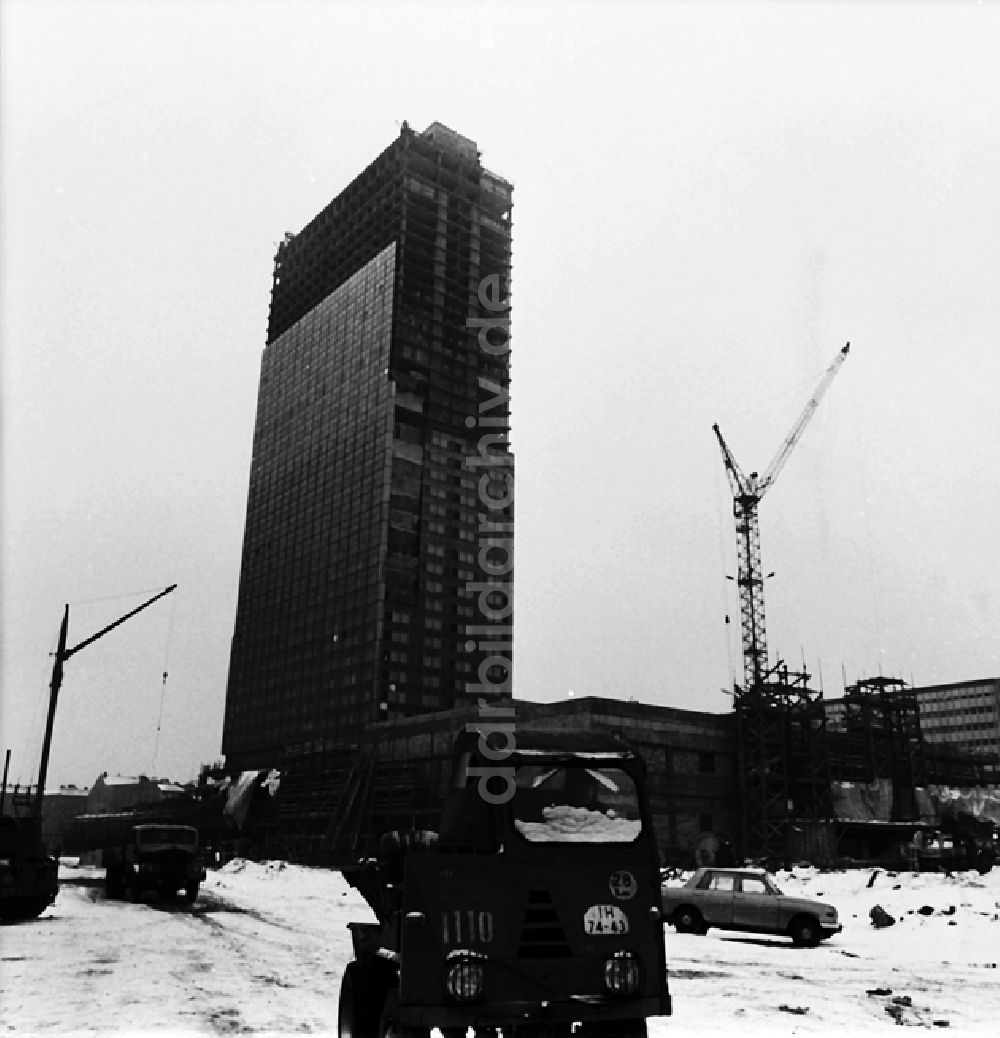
{"points": [[62, 655]]}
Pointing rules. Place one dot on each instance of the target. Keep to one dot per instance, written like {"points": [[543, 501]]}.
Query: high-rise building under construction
{"points": [[377, 548]]}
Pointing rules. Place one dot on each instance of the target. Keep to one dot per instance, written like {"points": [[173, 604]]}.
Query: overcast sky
{"points": [[710, 200]]}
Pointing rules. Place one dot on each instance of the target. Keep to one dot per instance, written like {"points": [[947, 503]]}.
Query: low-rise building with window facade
{"points": [[963, 714]]}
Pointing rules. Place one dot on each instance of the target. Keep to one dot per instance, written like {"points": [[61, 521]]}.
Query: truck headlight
{"points": [[465, 976], [622, 973]]}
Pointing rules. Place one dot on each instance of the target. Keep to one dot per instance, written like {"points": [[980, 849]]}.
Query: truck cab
{"points": [[535, 908], [164, 858]]}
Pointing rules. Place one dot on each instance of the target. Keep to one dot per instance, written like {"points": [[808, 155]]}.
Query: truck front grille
{"points": [[542, 934]]}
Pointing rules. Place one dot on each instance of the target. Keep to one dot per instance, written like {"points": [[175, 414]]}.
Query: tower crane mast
{"points": [[747, 492]]}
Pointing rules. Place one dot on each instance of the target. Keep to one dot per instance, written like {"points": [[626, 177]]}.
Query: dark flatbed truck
{"points": [[29, 876], [141, 853], [163, 858], [528, 915]]}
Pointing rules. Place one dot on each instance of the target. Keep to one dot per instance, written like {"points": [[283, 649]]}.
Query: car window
{"points": [[753, 885], [717, 881]]}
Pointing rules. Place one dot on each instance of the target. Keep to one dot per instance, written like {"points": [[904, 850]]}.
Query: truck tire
{"points": [[689, 920], [18, 909], [614, 1029], [358, 1008], [112, 882], [389, 1025], [805, 931]]}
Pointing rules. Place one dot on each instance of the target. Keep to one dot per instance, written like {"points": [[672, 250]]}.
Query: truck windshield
{"points": [[175, 835], [574, 803]]}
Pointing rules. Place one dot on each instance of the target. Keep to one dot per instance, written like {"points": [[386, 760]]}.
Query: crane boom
{"points": [[778, 461], [62, 655], [737, 480]]}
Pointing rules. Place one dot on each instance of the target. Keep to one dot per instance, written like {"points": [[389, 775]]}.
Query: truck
{"points": [[976, 841], [533, 910], [957, 843], [141, 853], [29, 877]]}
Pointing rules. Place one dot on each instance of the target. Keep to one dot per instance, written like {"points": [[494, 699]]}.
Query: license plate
{"points": [[605, 919]]}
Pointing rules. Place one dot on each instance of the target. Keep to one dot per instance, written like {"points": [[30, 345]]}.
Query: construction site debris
{"points": [[880, 917]]}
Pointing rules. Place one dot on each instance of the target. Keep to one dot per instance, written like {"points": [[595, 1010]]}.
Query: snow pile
{"points": [[565, 824], [262, 868]]}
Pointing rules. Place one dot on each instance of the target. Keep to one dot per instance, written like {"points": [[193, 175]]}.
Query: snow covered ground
{"points": [[262, 951]]}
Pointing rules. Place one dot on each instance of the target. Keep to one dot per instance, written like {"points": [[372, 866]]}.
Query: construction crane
{"points": [[62, 654], [747, 492]]}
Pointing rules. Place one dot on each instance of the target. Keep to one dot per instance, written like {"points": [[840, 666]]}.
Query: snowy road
{"points": [[263, 949], [221, 966]]}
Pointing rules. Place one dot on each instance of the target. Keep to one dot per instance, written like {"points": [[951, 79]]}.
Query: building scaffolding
{"points": [[783, 766], [882, 740]]}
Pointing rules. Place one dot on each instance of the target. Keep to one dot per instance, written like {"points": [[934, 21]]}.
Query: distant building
{"points": [[113, 793], [332, 803], [59, 806], [398, 774], [963, 714], [383, 385], [835, 711], [691, 758]]}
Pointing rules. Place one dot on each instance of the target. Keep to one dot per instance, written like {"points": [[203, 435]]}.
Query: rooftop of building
{"points": [[958, 686], [446, 137]]}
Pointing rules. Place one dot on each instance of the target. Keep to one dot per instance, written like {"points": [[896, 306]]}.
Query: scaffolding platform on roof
{"points": [[783, 767]]}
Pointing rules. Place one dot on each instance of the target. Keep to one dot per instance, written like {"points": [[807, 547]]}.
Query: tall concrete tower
{"points": [[377, 555]]}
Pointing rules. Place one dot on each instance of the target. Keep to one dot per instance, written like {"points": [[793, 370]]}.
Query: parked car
{"points": [[746, 899]]}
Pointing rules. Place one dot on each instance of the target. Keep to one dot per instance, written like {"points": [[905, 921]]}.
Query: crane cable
{"points": [[163, 687], [723, 491]]}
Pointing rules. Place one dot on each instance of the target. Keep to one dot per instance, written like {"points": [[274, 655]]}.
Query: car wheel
{"points": [[805, 931], [689, 920]]}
